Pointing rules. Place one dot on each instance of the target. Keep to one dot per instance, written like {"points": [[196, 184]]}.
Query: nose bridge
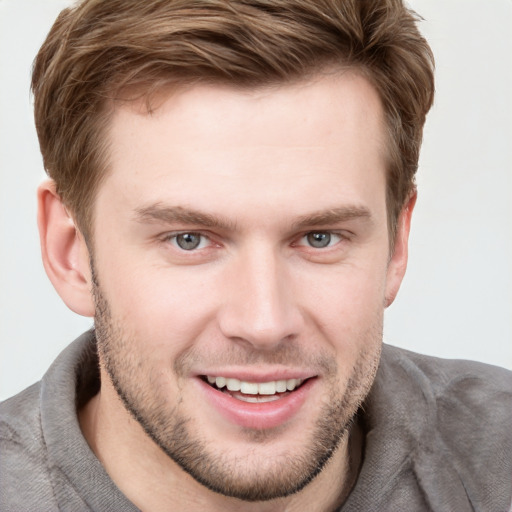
{"points": [[260, 306]]}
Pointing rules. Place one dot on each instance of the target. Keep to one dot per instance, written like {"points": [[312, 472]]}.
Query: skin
{"points": [[264, 168]]}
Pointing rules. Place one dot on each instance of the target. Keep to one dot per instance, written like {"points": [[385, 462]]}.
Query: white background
{"points": [[456, 300]]}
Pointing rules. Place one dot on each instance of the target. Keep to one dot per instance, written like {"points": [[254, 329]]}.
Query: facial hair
{"points": [[253, 477]]}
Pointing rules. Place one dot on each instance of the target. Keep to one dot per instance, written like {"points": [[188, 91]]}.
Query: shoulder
{"points": [[25, 479], [470, 384], [458, 416], [465, 400], [20, 423]]}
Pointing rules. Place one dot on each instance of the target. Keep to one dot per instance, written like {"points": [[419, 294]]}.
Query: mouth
{"points": [[257, 404], [254, 392]]}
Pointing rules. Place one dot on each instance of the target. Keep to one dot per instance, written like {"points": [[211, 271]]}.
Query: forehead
{"points": [[270, 144], [326, 101]]}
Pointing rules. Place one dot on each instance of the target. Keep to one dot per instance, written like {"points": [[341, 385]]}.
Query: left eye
{"points": [[189, 241], [320, 239]]}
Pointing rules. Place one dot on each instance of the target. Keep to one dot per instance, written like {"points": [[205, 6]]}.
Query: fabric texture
{"points": [[438, 437]]}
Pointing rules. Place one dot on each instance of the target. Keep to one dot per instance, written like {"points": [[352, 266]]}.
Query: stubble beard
{"points": [[252, 478]]}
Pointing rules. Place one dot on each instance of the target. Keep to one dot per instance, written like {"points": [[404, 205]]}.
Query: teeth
{"points": [[256, 399], [281, 386], [255, 388], [233, 384], [267, 388], [291, 384], [249, 388]]}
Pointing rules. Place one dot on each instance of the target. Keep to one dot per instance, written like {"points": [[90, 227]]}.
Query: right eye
{"points": [[189, 241], [320, 239]]}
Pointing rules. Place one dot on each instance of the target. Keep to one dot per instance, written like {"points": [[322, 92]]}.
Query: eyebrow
{"points": [[332, 216], [178, 214]]}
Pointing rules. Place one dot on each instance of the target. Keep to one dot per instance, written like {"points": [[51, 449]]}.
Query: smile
{"points": [[254, 392], [255, 403]]}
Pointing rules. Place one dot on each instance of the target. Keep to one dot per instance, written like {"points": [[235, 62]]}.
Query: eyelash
{"points": [[172, 238], [330, 234]]}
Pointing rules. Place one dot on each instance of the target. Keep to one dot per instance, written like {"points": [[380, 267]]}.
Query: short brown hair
{"points": [[100, 48]]}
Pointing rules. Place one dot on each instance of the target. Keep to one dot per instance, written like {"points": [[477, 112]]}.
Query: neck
{"points": [[151, 480]]}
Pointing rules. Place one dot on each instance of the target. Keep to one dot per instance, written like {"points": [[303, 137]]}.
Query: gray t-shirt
{"points": [[438, 436]]}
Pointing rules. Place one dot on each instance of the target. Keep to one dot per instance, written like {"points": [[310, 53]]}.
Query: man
{"points": [[230, 195]]}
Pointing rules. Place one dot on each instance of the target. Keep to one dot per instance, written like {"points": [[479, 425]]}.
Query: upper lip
{"points": [[258, 376]]}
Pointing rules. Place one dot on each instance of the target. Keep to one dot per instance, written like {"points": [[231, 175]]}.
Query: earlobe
{"points": [[64, 252], [398, 262]]}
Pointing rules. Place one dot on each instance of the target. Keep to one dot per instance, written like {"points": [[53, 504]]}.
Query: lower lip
{"points": [[261, 415]]}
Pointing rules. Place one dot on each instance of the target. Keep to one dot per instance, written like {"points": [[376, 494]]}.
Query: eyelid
{"points": [[171, 236], [341, 234]]}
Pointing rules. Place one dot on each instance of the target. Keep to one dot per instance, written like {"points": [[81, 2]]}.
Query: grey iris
{"points": [[188, 241], [319, 240]]}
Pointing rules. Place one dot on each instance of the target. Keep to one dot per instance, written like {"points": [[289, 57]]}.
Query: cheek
{"points": [[348, 304], [160, 305]]}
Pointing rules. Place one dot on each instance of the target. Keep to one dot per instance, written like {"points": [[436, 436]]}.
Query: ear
{"points": [[398, 262], [64, 251]]}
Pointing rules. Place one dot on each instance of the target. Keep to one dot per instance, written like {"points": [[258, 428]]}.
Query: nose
{"points": [[260, 308]]}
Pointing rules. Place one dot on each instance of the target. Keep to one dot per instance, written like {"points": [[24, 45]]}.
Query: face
{"points": [[241, 269]]}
